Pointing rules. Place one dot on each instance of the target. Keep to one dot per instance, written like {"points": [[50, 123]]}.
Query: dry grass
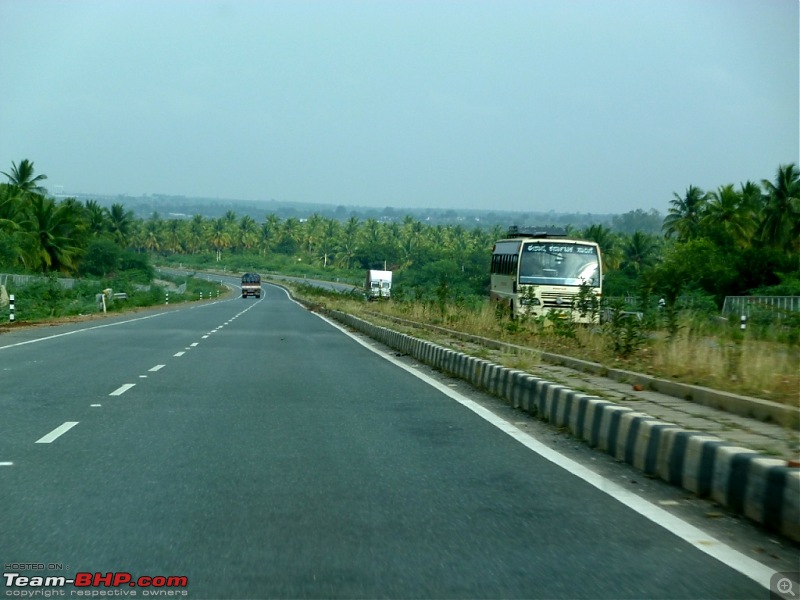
{"points": [[762, 369]]}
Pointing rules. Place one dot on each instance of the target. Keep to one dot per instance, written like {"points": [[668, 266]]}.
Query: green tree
{"points": [[53, 234], [780, 217], [349, 245], [120, 224], [220, 237], [248, 233], [639, 252], [728, 217], [23, 178], [683, 218], [329, 242], [196, 236], [101, 259], [97, 219]]}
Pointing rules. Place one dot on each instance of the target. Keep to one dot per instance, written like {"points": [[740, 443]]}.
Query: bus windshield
{"points": [[559, 263]]}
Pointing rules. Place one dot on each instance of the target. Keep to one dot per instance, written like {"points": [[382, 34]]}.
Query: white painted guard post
{"points": [[11, 308], [167, 296]]}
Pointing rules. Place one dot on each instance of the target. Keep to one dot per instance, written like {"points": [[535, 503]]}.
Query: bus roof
{"points": [[514, 232]]}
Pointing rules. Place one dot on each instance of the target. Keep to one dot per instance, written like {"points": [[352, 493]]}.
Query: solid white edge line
{"points": [[57, 432], [707, 544], [122, 389]]}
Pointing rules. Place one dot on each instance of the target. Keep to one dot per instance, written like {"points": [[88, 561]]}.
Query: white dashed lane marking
{"points": [[157, 368], [57, 432], [122, 389], [179, 353]]}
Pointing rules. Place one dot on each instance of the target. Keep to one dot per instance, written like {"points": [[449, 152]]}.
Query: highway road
{"points": [[259, 451]]}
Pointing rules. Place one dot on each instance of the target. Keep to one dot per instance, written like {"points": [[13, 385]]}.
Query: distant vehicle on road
{"points": [[251, 285], [378, 284], [545, 274]]}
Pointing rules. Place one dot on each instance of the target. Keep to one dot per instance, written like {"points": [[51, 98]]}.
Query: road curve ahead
{"points": [[257, 450]]}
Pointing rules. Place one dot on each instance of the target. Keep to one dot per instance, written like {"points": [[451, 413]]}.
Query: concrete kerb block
{"points": [[670, 454], [595, 410], [757, 486], [627, 435], [559, 411], [551, 398], [495, 385], [486, 375], [452, 362], [789, 523], [436, 356], [729, 476], [479, 366], [528, 393], [512, 379], [428, 353], [609, 427], [647, 439], [462, 362], [542, 388], [516, 388], [696, 472]]}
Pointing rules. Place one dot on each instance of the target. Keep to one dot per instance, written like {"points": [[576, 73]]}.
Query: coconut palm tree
{"points": [[728, 213], [52, 234], [684, 217], [640, 251], [196, 235], [349, 242], [248, 233], [11, 208], [780, 216], [120, 224], [270, 231], [220, 237], [22, 177], [97, 218], [329, 241]]}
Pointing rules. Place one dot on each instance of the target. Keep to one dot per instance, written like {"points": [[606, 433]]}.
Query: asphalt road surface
{"points": [[260, 452]]}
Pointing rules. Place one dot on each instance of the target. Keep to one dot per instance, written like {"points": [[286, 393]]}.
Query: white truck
{"points": [[378, 284]]}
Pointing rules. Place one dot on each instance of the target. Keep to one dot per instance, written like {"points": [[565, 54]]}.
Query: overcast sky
{"points": [[576, 106]]}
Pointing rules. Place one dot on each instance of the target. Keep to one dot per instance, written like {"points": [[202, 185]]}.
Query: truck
{"points": [[378, 284], [251, 285]]}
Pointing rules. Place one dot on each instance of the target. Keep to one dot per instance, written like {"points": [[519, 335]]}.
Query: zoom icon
{"points": [[785, 586]]}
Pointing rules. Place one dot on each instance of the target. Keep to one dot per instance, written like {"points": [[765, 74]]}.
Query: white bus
{"points": [[538, 273]]}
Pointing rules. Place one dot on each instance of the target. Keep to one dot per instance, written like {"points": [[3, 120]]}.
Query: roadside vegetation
{"points": [[732, 241]]}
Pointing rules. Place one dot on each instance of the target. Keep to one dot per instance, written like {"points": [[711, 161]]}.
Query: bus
{"points": [[539, 273]]}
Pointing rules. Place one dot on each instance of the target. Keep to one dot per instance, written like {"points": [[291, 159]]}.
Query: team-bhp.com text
{"points": [[94, 584]]}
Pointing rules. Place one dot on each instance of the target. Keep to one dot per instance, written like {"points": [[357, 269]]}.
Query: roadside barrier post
{"points": [[201, 295], [743, 321], [11, 308], [167, 296]]}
